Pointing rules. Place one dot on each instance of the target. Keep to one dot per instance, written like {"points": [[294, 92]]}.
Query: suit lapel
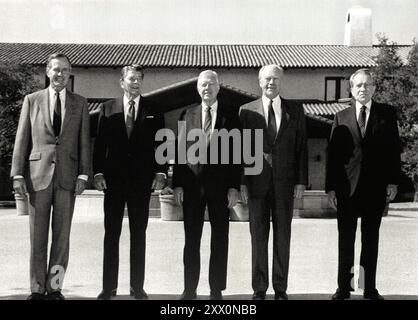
{"points": [[44, 105], [119, 114], [220, 119], [69, 110], [196, 118], [258, 108], [352, 121], [142, 111], [284, 119], [371, 123]]}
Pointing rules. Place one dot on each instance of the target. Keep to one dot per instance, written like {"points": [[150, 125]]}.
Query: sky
{"points": [[199, 21]]}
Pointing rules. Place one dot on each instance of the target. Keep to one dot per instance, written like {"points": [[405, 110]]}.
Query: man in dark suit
{"points": [[125, 169], [284, 176], [51, 161], [363, 170], [200, 183]]}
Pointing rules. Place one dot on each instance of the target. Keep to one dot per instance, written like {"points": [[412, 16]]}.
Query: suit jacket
{"points": [[289, 153], [123, 159], [376, 157], [38, 153], [216, 179]]}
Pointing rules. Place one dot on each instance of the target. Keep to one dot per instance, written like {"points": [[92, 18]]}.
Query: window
{"points": [[70, 85], [336, 88]]}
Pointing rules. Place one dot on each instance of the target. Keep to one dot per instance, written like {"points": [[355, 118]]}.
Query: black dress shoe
{"points": [[281, 295], [36, 296], [216, 295], [56, 295], [372, 295], [139, 294], [106, 295], [259, 295], [341, 295], [188, 295]]}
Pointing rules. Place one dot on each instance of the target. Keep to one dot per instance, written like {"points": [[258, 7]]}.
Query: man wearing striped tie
{"points": [[363, 170], [205, 183], [126, 171], [51, 164]]}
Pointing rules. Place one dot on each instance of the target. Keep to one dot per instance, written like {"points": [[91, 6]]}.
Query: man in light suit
{"points": [[125, 169], [283, 177], [206, 183], [363, 171], [51, 162]]}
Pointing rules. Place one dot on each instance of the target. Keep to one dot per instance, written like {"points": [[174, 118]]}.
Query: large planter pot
{"points": [[170, 211], [22, 205], [239, 212]]}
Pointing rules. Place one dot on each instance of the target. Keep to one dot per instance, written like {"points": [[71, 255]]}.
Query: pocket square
{"points": [[150, 117]]}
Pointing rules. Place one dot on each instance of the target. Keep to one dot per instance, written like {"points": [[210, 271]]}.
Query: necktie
{"points": [[130, 117], [207, 127], [362, 121], [56, 123], [272, 128]]}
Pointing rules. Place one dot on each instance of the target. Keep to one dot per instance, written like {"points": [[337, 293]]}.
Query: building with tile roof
{"points": [[315, 75]]}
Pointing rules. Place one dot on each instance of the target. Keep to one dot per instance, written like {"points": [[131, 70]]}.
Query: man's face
{"points": [[362, 88], [131, 84], [58, 72], [269, 81], [208, 88]]}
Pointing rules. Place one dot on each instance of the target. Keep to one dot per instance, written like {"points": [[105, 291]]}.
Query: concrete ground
{"points": [[313, 262]]}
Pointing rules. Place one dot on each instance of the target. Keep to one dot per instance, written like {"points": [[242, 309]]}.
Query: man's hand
{"points": [[299, 190], [99, 182], [80, 185], [244, 193], [159, 181], [178, 195], [332, 199], [391, 191], [233, 197], [19, 186]]}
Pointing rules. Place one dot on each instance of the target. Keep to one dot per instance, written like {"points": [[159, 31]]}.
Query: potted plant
{"points": [[170, 211]]}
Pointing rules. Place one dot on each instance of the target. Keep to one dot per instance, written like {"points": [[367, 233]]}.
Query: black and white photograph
{"points": [[209, 157]]}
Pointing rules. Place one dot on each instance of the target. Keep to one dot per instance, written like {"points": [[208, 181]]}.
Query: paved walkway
{"points": [[313, 262]]}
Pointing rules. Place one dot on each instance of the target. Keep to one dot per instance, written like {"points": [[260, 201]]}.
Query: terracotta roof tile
{"points": [[197, 56]]}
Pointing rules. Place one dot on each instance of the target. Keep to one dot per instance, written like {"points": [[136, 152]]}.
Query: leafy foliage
{"points": [[16, 80], [397, 84]]}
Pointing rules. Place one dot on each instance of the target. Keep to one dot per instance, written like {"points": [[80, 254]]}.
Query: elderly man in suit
{"points": [[51, 161], [197, 184], [125, 169], [284, 176], [363, 171]]}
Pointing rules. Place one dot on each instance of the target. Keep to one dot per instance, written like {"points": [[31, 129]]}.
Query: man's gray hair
{"points": [[364, 71], [56, 55], [211, 72], [274, 66]]}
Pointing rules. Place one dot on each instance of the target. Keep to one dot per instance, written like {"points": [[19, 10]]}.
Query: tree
{"points": [[16, 80], [397, 84]]}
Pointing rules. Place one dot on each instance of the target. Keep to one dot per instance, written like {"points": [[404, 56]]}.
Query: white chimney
{"points": [[358, 27]]}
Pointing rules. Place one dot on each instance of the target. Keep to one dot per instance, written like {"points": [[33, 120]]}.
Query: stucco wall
{"points": [[296, 84]]}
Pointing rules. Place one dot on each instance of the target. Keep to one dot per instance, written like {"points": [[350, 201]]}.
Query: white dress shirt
{"points": [[277, 108], [368, 106]]}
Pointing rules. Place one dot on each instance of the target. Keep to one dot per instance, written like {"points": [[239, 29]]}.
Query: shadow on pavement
{"points": [[173, 297]]}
